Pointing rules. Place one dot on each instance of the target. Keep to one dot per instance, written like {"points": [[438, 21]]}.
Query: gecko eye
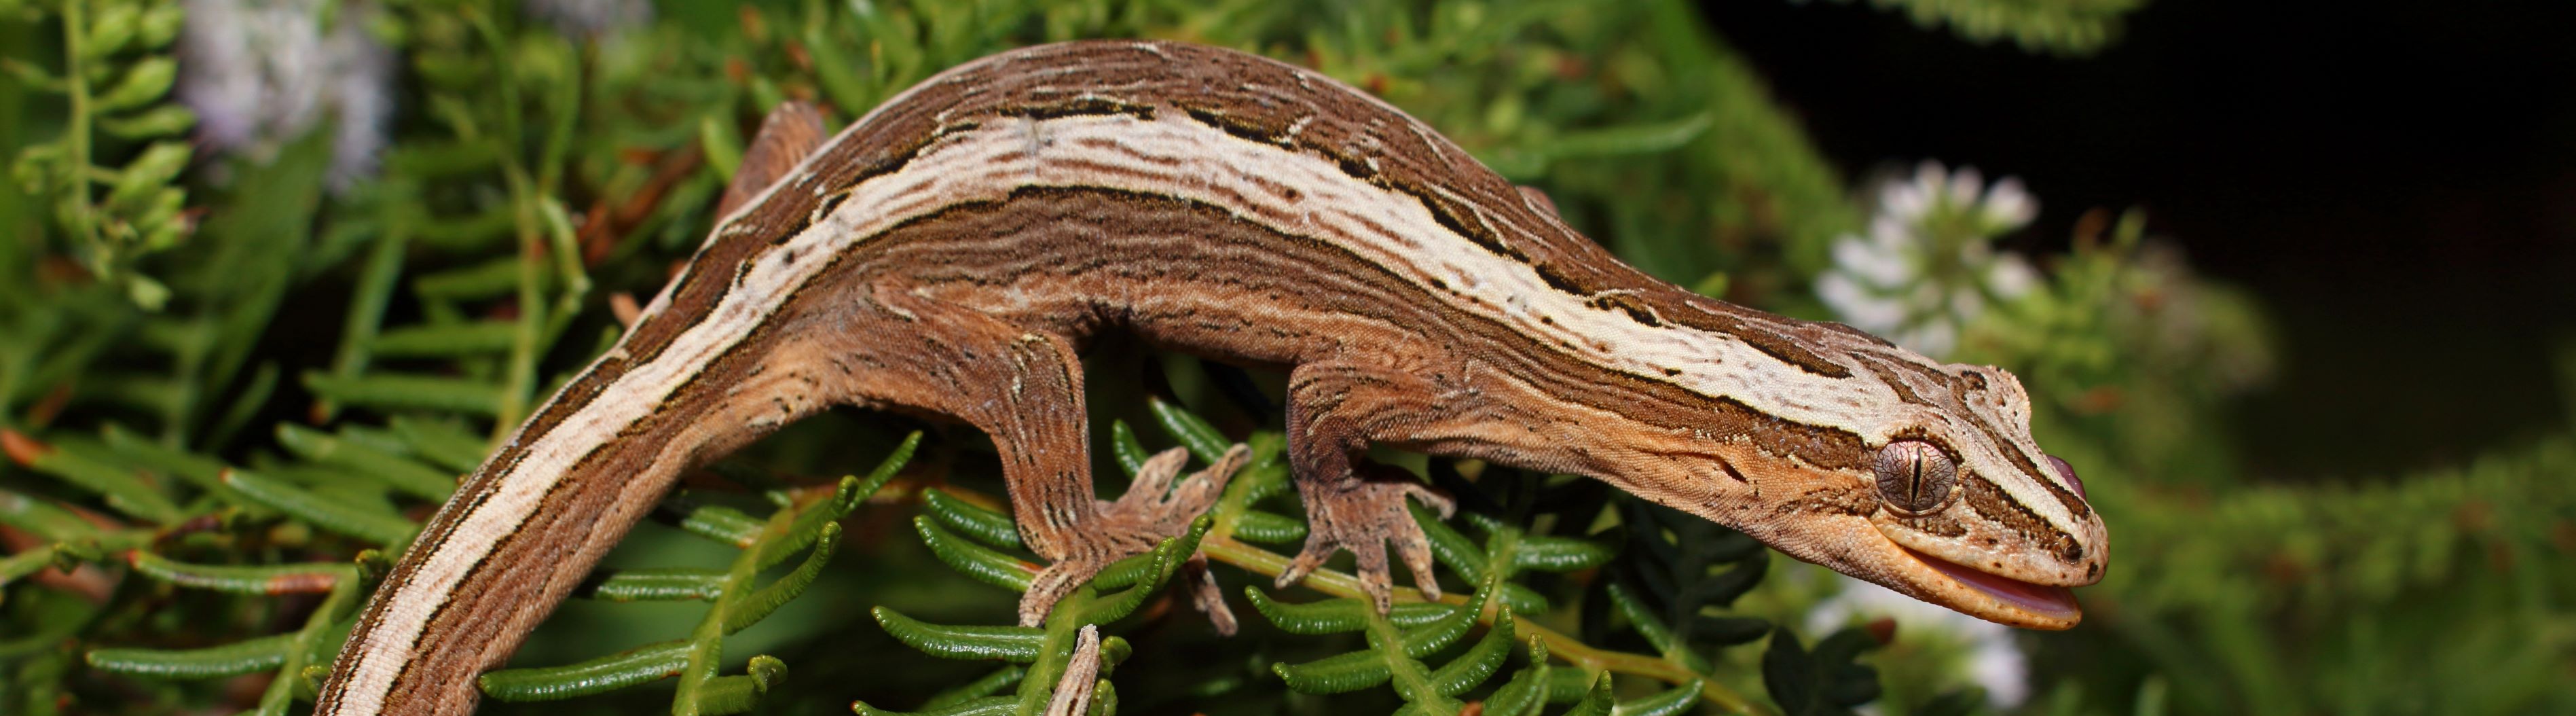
{"points": [[2068, 472], [1914, 477]]}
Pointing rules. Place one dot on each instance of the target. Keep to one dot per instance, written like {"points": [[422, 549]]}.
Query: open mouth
{"points": [[2045, 601]]}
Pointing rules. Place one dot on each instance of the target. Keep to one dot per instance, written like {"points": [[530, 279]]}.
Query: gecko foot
{"points": [[1151, 511], [1362, 516]]}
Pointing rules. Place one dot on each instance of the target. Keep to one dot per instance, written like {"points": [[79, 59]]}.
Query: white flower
{"points": [[1927, 266], [1992, 660], [590, 18], [260, 73]]}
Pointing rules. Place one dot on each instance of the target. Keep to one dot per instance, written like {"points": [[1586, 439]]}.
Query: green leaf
{"points": [[1527, 691], [235, 659], [33, 76], [992, 706], [1471, 669], [28, 562], [1596, 702], [653, 584], [366, 462], [490, 279], [722, 145], [1559, 554], [1524, 164], [753, 607], [160, 25], [1640, 618], [1003, 643], [1342, 615], [262, 580], [1165, 560], [722, 524], [974, 560], [123, 489], [1448, 546], [109, 30], [596, 676], [328, 513], [982, 525], [410, 392], [442, 443], [1670, 702], [984, 686], [1191, 431], [44, 518], [1790, 674], [1268, 528], [148, 80], [1341, 674], [191, 467], [1129, 451], [739, 693], [446, 340], [1364, 669], [835, 71]]}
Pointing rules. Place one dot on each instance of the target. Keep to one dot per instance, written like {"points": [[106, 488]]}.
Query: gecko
{"points": [[950, 253]]}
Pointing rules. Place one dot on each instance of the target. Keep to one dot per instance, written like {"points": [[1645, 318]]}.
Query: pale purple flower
{"points": [[590, 18], [1927, 267], [261, 73]]}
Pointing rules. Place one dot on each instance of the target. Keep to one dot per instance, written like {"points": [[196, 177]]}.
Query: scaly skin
{"points": [[948, 253]]}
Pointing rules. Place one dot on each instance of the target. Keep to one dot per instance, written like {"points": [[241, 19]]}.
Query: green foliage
{"points": [[198, 495], [1396, 643], [738, 601], [110, 176], [2069, 27], [805, 522]]}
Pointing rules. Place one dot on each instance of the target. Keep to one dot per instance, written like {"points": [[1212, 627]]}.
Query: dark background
{"points": [[2393, 180]]}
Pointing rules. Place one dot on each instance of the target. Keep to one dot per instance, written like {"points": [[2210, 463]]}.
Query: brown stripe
{"points": [[1999, 507], [1061, 256]]}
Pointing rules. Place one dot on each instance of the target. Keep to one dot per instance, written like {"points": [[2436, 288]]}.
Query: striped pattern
{"points": [[947, 253]]}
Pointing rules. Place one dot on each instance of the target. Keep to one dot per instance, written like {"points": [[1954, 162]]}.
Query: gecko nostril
{"points": [[2068, 472]]}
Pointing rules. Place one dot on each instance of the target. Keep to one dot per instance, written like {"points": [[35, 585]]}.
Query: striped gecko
{"points": [[950, 252]]}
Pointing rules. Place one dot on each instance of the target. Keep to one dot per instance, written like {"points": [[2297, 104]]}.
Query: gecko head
{"points": [[1932, 488], [1969, 512]]}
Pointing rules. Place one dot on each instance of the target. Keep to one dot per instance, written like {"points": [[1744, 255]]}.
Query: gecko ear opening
{"points": [[1915, 477]]}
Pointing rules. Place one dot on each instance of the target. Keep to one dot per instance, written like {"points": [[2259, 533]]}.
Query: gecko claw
{"points": [[1151, 511]]}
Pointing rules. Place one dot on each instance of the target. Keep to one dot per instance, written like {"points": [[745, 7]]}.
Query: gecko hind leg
{"points": [[1023, 388], [790, 132]]}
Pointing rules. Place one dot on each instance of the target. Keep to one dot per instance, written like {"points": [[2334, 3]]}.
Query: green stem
{"points": [[519, 382], [706, 643], [76, 134], [281, 691]]}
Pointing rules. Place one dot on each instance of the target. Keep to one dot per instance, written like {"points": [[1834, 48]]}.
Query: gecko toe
{"points": [[1051, 586], [1153, 509], [1363, 518]]}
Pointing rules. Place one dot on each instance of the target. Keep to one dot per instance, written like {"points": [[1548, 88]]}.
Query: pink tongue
{"points": [[2057, 602]]}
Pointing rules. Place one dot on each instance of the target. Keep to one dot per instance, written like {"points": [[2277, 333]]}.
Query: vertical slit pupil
{"points": [[1914, 485]]}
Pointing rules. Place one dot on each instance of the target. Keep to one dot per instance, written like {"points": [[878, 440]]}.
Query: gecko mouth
{"points": [[2053, 603]]}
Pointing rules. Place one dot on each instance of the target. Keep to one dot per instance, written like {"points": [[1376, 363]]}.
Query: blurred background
{"points": [[2288, 283]]}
